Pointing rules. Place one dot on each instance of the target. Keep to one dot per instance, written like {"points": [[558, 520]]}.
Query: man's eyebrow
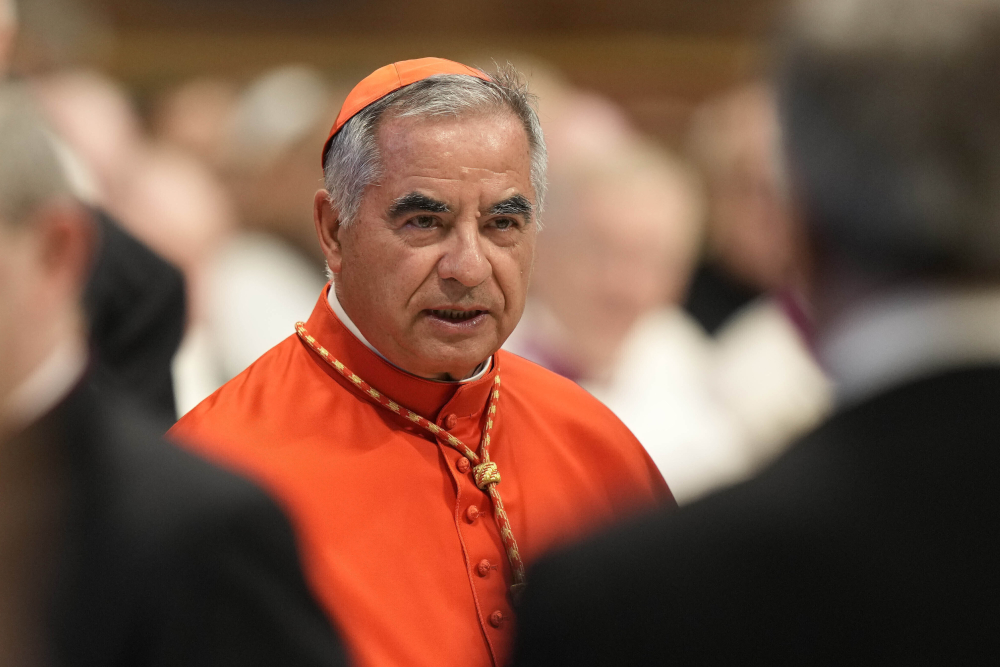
{"points": [[516, 205], [414, 201]]}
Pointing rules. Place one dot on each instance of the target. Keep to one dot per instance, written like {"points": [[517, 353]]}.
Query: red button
{"points": [[496, 619], [472, 514], [483, 568], [463, 465], [451, 421]]}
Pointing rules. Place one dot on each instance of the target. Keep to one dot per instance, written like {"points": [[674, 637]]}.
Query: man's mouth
{"points": [[457, 315]]}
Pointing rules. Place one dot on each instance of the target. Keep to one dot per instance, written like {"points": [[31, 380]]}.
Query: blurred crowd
{"points": [[672, 283], [666, 281]]}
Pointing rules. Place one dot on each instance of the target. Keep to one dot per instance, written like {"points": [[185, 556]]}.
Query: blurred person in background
{"points": [[435, 183], [747, 291], [95, 117], [752, 241], [176, 205], [872, 540], [270, 156], [8, 31], [135, 302], [136, 308], [196, 117], [115, 547], [622, 225], [269, 272]]}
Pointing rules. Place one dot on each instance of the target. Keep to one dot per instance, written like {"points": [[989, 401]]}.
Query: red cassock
{"points": [[397, 541]]}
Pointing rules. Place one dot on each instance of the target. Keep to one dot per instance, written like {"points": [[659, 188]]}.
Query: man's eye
{"points": [[504, 223], [423, 221]]}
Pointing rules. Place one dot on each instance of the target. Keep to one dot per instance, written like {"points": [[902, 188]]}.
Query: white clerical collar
{"points": [[46, 386], [331, 297], [887, 341]]}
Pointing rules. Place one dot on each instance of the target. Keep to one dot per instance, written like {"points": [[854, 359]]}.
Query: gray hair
{"points": [[353, 161], [31, 173], [891, 118]]}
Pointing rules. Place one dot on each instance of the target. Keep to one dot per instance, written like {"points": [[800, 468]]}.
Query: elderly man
{"points": [[115, 546], [420, 483], [873, 541]]}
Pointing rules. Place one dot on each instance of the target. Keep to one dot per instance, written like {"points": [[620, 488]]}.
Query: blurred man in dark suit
{"points": [[874, 539], [115, 547], [135, 305], [135, 300]]}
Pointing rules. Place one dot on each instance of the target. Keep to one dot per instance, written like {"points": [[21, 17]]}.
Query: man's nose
{"points": [[464, 259]]}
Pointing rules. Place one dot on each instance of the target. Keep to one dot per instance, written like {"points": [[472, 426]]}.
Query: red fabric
{"points": [[382, 509], [390, 78]]}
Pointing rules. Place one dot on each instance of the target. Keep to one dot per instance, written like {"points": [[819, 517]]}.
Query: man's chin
{"points": [[457, 360]]}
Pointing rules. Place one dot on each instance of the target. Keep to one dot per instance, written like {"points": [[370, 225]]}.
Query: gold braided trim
{"points": [[485, 472]]}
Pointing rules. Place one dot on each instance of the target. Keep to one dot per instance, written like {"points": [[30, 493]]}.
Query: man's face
{"points": [[435, 269], [18, 272], [622, 250], [8, 30]]}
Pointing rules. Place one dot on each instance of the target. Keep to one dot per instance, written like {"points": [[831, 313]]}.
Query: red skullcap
{"points": [[390, 78]]}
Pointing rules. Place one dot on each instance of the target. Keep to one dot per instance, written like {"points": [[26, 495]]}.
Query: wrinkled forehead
{"points": [[488, 149]]}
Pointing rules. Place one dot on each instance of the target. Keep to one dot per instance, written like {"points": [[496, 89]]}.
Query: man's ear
{"points": [[326, 217], [69, 239]]}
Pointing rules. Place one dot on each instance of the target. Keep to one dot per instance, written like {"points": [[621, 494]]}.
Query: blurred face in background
{"points": [[8, 30], [622, 247], [751, 232], [17, 271], [434, 271], [270, 163], [43, 266], [93, 114]]}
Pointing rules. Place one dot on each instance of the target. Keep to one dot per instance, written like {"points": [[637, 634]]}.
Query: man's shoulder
{"points": [[155, 477], [559, 398], [252, 397], [849, 523], [577, 427], [166, 541]]}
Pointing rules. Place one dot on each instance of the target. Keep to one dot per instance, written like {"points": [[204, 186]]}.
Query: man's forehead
{"points": [[454, 160], [399, 133]]}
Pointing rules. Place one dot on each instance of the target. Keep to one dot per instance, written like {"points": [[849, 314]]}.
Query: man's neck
{"points": [[478, 372], [49, 382], [906, 332]]}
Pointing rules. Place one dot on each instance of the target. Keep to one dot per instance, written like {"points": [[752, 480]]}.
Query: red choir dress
{"points": [[398, 542]]}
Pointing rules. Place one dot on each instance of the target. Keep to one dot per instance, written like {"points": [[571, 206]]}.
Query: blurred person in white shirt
{"points": [[621, 231], [747, 290]]}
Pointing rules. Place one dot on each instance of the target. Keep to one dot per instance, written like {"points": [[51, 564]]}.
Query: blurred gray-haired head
{"points": [[353, 160], [31, 173], [891, 114]]}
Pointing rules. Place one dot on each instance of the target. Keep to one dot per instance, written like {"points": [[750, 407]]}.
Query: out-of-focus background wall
{"points": [[657, 58], [668, 275]]}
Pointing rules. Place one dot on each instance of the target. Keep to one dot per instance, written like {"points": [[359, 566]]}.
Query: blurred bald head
{"points": [[892, 127], [621, 234]]}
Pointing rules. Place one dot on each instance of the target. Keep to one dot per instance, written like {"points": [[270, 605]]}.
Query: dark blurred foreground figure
{"points": [[135, 309], [115, 547], [873, 539]]}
